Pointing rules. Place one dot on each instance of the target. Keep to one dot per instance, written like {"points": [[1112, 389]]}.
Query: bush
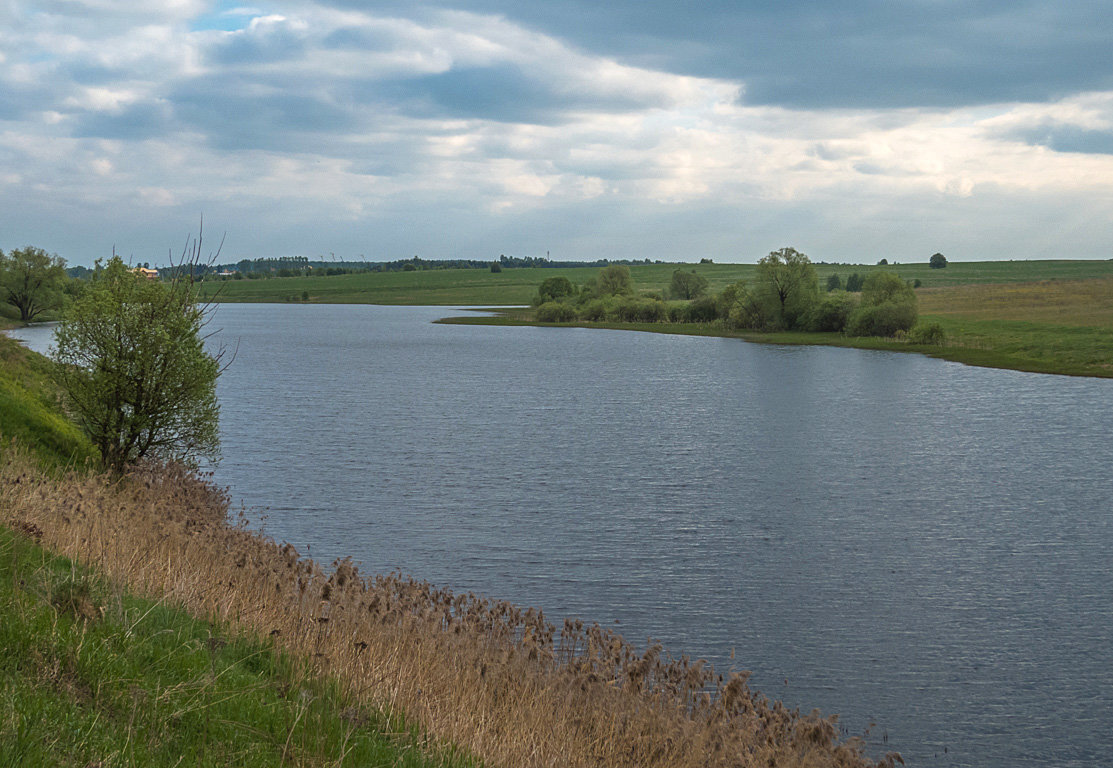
{"points": [[882, 287], [555, 312], [927, 333], [832, 313], [496, 267], [634, 310], [883, 319], [702, 310], [595, 311]]}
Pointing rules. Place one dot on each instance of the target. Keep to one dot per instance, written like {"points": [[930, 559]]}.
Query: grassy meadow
{"points": [[479, 287]]}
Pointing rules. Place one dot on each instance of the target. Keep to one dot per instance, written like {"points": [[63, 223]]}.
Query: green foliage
{"points": [[32, 281], [854, 283], [937, 261], [554, 289], [555, 312], [832, 313], [687, 285], [614, 281], [881, 287], [788, 286], [834, 282], [888, 306], [639, 310], [135, 371], [882, 319], [702, 310], [496, 267], [927, 333]]}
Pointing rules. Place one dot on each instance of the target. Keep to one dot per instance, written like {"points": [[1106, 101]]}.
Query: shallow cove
{"points": [[901, 540]]}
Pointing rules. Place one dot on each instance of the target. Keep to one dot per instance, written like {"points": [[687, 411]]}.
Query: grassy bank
{"points": [[1048, 326], [517, 286], [91, 675]]}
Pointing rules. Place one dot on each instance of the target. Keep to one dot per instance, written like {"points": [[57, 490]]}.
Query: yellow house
{"points": [[150, 274]]}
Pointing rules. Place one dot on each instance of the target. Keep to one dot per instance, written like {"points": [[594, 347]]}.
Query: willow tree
{"points": [[787, 281], [32, 281], [135, 371]]}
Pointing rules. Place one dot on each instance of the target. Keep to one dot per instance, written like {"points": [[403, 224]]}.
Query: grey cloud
{"points": [[1062, 137], [135, 123], [857, 53]]}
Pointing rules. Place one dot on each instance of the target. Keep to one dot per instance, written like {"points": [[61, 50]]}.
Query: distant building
{"points": [[150, 274]]}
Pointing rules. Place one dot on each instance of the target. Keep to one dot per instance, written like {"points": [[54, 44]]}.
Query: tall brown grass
{"points": [[501, 681]]}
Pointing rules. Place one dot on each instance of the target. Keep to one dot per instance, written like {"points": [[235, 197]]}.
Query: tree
{"points": [[687, 285], [834, 282], [554, 289], [937, 261], [614, 280], [134, 369], [788, 280], [32, 280]]}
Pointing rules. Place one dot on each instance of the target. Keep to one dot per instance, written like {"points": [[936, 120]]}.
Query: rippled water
{"points": [[905, 541]]}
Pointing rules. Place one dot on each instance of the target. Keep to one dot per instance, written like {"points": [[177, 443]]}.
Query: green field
{"points": [[480, 287]]}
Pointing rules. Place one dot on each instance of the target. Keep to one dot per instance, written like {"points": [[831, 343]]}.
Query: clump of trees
{"points": [[937, 261], [134, 370], [785, 295], [33, 281]]}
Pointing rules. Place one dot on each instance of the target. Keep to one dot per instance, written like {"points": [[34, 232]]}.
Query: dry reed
{"points": [[501, 681]]}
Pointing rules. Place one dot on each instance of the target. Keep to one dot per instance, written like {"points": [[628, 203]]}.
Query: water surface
{"points": [[905, 541]]}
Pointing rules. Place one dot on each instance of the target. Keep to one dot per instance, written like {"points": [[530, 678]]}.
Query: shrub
{"points": [[595, 311], [496, 267], [555, 312], [832, 313], [927, 333], [701, 310], [883, 319], [633, 310]]}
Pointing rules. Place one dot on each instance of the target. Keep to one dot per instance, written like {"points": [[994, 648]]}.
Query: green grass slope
{"points": [[30, 410], [92, 676]]}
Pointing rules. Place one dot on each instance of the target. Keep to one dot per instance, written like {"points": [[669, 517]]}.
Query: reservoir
{"points": [[908, 542]]}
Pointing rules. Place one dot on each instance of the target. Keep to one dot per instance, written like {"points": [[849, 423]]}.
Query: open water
{"points": [[908, 542]]}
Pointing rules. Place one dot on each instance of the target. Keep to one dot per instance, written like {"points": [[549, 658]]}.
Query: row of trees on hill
{"points": [[784, 295]]}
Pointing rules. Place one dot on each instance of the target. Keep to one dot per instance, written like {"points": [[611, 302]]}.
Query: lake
{"points": [[905, 541]]}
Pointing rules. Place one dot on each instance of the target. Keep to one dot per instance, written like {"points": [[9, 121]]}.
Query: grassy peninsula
{"points": [[1044, 316]]}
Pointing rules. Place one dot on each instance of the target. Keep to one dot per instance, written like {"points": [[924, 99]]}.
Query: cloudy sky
{"points": [[624, 129]]}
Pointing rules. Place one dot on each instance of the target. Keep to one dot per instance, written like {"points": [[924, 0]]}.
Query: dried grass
{"points": [[501, 681]]}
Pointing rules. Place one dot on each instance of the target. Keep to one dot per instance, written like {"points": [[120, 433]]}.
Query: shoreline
{"points": [[980, 358]]}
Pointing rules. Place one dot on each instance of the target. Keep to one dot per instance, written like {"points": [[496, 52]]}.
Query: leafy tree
{"points": [[937, 261], [134, 369], [729, 296], [554, 289], [614, 280], [787, 281], [496, 267], [687, 285], [854, 283], [32, 280], [834, 282], [882, 286]]}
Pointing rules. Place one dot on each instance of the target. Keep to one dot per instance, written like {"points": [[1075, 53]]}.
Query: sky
{"points": [[627, 129]]}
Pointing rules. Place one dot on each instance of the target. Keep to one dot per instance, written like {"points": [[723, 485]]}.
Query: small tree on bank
{"points": [[32, 281], [687, 285], [134, 369]]}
